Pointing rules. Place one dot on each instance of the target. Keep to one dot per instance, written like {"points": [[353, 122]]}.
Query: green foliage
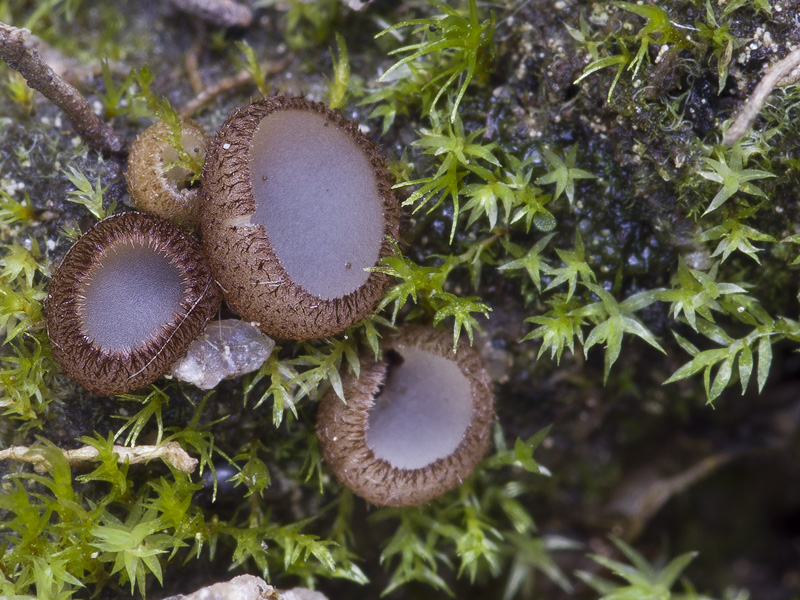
{"points": [[160, 108], [733, 235], [27, 369], [484, 522], [339, 84], [721, 42], [531, 261], [563, 173], [734, 359], [614, 319], [88, 194], [457, 154], [642, 580], [575, 267], [133, 545], [558, 327], [115, 98], [398, 94], [308, 23], [153, 405], [425, 286], [281, 388], [253, 67], [18, 91], [464, 47], [322, 365], [730, 172], [125, 525], [696, 293], [659, 29], [14, 211]]}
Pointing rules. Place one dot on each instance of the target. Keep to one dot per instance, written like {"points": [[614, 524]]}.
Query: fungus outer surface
{"points": [[127, 300], [316, 196], [346, 431], [297, 202], [421, 413], [163, 191]]}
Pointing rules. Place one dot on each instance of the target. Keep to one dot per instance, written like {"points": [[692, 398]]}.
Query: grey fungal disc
{"points": [[127, 300], [415, 424], [298, 203]]}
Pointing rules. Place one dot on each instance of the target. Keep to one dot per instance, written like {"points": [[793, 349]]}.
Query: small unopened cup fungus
{"points": [[127, 300], [415, 424], [297, 204], [163, 191]]}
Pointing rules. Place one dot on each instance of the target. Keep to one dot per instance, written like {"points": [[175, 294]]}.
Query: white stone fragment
{"points": [[356, 4], [228, 348], [301, 594], [248, 587], [243, 587]]}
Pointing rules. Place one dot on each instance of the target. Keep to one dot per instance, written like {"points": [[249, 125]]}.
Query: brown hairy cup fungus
{"points": [[415, 424], [297, 203], [160, 190], [127, 300]]}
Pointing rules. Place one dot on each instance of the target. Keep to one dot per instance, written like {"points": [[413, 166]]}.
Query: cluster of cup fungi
{"points": [[294, 205]]}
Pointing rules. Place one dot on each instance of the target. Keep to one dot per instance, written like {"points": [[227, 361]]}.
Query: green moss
{"points": [[576, 207]]}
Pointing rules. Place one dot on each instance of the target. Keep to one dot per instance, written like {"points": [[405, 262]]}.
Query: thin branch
{"points": [[18, 50], [170, 453], [241, 78], [191, 59], [784, 72]]}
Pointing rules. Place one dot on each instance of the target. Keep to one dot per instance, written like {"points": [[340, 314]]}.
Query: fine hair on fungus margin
{"points": [[127, 300], [415, 424], [297, 204]]}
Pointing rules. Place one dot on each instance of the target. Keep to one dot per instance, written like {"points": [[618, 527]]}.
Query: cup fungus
{"points": [[415, 423], [297, 203], [127, 300], [163, 191]]}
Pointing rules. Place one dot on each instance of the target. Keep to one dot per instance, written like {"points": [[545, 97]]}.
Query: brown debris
{"points": [[18, 48], [243, 77]]}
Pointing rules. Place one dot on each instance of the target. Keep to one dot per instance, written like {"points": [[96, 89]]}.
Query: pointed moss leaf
{"points": [[532, 262], [686, 345], [764, 361], [461, 310], [745, 366], [721, 380], [734, 178], [575, 267], [714, 332], [701, 361], [669, 574], [563, 173], [627, 572], [638, 561]]}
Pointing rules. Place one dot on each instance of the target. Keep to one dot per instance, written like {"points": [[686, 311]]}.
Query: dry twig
{"points": [[191, 58], [18, 50], [170, 453], [784, 72], [241, 78]]}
